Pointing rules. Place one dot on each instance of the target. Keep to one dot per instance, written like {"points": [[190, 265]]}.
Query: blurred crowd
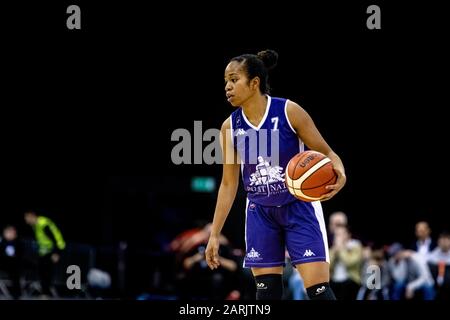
{"points": [[396, 271], [360, 269], [29, 268]]}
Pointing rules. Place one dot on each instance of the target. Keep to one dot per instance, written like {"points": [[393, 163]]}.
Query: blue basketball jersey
{"points": [[265, 152]]}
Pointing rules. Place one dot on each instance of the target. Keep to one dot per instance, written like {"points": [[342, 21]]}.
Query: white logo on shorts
{"points": [[308, 253], [253, 254]]}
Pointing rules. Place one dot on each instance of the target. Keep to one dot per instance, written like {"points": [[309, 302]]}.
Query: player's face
{"points": [[237, 88]]}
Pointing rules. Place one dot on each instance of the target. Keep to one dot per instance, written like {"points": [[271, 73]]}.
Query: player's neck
{"points": [[254, 108]]}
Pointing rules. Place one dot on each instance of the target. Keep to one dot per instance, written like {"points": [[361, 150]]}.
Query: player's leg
{"points": [[307, 244], [314, 272], [265, 249], [316, 276]]}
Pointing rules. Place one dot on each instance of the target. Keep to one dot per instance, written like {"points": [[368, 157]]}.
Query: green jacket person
{"points": [[50, 244]]}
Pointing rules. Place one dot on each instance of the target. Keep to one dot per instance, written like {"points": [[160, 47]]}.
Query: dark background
{"points": [[87, 115]]}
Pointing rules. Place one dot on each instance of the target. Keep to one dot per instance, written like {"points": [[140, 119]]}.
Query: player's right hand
{"points": [[212, 252]]}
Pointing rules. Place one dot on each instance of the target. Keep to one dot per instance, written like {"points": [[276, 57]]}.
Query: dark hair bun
{"points": [[269, 57]]}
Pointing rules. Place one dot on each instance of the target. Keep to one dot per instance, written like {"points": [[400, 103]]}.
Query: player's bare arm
{"points": [[308, 132], [227, 193]]}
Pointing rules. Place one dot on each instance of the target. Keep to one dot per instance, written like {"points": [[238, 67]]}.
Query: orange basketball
{"points": [[307, 175]]}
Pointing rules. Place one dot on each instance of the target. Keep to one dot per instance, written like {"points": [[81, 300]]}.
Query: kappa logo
{"points": [[252, 206], [239, 132], [320, 290], [308, 253]]}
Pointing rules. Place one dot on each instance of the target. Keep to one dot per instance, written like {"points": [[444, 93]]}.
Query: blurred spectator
{"points": [[377, 291], [99, 282], [11, 258], [424, 244], [189, 239], [337, 219], [439, 263], [345, 264], [196, 280], [50, 245], [410, 274], [203, 283]]}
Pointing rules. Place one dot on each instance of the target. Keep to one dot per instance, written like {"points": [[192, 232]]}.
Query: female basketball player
{"points": [[275, 220]]}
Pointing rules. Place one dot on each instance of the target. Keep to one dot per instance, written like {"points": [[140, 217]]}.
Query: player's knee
{"points": [[269, 287], [321, 291]]}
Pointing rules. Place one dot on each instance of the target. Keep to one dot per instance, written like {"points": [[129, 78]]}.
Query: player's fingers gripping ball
{"points": [[307, 175]]}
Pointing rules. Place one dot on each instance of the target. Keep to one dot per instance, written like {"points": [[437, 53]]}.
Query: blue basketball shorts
{"points": [[298, 227]]}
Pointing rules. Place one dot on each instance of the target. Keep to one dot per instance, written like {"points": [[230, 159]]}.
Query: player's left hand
{"points": [[334, 188]]}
